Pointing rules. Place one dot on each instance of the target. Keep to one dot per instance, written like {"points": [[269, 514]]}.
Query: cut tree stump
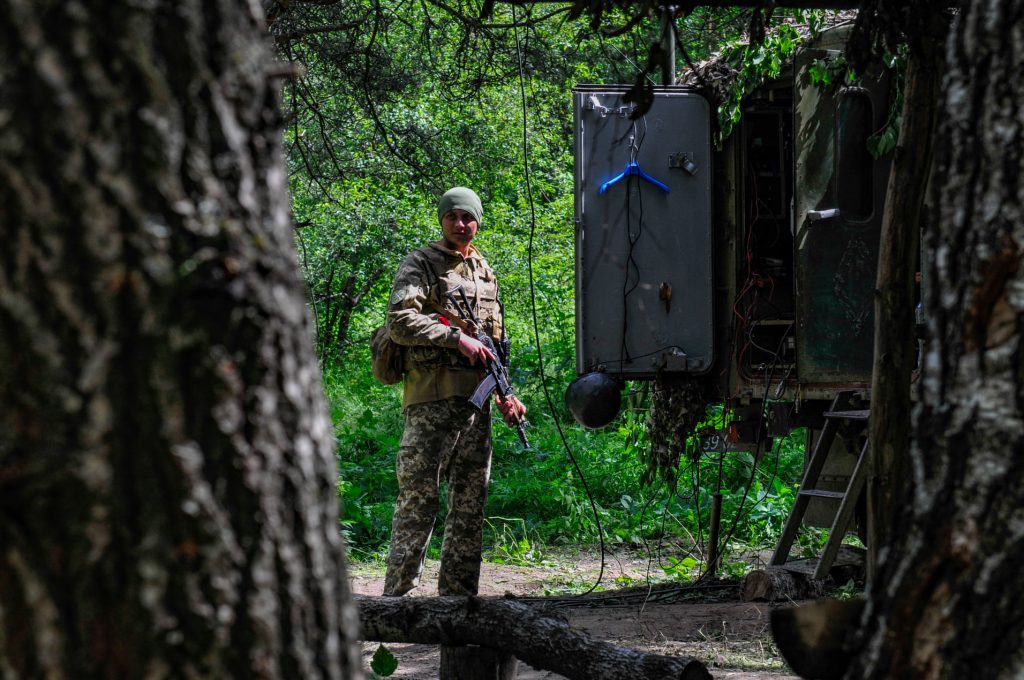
{"points": [[775, 584], [477, 663], [795, 580], [517, 629]]}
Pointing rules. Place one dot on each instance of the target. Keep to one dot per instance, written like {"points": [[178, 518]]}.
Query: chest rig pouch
{"points": [[445, 276]]}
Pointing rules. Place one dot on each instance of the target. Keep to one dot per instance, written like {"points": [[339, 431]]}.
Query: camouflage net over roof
{"points": [[716, 78]]}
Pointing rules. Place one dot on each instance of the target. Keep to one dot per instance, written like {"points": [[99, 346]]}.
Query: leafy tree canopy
{"points": [[396, 101]]}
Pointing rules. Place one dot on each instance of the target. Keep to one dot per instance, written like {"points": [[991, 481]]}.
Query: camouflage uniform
{"points": [[445, 437]]}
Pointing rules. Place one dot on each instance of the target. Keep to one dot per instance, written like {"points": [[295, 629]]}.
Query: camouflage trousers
{"points": [[443, 440]]}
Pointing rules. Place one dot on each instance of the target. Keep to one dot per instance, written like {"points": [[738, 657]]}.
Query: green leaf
{"points": [[883, 143], [383, 662]]}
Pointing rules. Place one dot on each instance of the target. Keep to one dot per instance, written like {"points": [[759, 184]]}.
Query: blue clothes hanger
{"points": [[632, 168]]}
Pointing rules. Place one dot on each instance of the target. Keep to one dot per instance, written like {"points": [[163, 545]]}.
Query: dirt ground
{"points": [[729, 636]]}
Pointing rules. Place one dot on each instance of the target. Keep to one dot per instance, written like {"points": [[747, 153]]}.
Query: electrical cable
{"points": [[624, 599], [710, 568], [631, 62], [635, 144], [533, 307], [745, 321], [665, 512], [638, 356], [632, 239], [647, 547], [751, 283], [753, 468]]}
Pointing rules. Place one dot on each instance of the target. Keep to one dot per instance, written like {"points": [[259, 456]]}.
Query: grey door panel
{"points": [[643, 255]]}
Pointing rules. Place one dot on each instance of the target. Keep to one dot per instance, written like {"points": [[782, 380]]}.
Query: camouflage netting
{"points": [[677, 406], [716, 77]]}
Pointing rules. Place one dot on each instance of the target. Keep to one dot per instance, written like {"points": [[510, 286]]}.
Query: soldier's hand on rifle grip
{"points": [[512, 410], [474, 350]]}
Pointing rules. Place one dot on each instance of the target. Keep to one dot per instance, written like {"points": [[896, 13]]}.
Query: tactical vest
{"points": [[446, 273]]}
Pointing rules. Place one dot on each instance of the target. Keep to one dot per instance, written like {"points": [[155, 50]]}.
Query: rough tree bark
{"points": [[167, 501], [517, 628], [889, 429], [948, 595]]}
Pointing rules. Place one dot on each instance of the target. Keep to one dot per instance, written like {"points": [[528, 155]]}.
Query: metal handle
{"points": [[818, 215]]}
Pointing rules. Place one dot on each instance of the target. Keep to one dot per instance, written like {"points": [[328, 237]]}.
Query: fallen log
{"points": [[519, 629]]}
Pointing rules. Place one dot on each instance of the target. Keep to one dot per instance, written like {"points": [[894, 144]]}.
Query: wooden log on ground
{"points": [[518, 629], [795, 580], [776, 584]]}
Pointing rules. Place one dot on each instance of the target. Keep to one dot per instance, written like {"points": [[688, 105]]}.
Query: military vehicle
{"points": [[750, 267]]}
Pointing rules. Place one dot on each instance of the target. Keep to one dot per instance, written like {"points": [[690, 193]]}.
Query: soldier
{"points": [[445, 436]]}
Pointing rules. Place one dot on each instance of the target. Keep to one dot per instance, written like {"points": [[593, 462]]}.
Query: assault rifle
{"points": [[497, 374]]}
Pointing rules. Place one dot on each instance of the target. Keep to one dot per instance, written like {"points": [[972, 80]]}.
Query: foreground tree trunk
{"points": [[947, 599], [167, 501], [889, 429], [517, 628]]}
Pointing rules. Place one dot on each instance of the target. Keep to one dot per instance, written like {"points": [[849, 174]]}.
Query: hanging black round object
{"points": [[594, 399]]}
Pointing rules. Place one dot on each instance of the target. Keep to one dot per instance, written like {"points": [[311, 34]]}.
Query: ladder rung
{"points": [[821, 493], [861, 414]]}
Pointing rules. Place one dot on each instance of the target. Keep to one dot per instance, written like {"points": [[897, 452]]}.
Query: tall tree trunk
{"points": [[167, 500], [895, 342], [948, 595]]}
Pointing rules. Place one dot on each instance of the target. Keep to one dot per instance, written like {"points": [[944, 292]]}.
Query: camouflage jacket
{"points": [[434, 367]]}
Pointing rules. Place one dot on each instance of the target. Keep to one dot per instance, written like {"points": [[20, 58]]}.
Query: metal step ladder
{"points": [[839, 413]]}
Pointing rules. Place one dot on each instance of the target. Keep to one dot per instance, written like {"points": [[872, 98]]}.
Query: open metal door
{"points": [[644, 290], [839, 196]]}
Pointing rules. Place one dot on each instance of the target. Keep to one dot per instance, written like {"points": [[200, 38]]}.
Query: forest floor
{"points": [[731, 637]]}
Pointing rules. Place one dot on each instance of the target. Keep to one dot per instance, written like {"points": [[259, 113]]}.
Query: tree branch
{"points": [[313, 30]]}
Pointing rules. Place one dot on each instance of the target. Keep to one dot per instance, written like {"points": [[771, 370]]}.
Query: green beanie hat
{"points": [[461, 198]]}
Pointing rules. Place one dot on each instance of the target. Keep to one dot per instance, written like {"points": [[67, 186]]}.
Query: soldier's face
{"points": [[459, 228]]}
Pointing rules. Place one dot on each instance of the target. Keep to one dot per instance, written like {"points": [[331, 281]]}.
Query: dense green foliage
{"points": [[538, 499], [397, 102]]}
